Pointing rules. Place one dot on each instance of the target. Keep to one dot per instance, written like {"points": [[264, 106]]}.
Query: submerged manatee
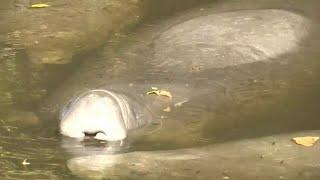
{"points": [[199, 53], [227, 69]]}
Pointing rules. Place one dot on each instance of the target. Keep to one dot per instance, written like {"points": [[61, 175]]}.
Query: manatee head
{"points": [[103, 114]]}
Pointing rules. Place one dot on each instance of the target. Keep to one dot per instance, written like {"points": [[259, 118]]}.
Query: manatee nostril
{"points": [[92, 134]]}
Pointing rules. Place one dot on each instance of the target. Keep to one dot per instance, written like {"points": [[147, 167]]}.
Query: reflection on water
{"points": [[43, 153], [282, 98]]}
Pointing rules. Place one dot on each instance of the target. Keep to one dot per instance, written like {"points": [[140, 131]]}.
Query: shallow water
{"points": [[285, 97]]}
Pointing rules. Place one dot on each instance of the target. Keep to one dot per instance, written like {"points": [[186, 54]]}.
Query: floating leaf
{"points": [[178, 104], [306, 141], [39, 5], [168, 109], [160, 93], [25, 162]]}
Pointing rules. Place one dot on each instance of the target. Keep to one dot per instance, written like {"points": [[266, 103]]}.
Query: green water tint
{"points": [[47, 160], [23, 136]]}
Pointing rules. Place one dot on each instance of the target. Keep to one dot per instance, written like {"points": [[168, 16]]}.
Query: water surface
{"points": [[285, 97]]}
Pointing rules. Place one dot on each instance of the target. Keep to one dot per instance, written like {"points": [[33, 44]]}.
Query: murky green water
{"points": [[284, 98]]}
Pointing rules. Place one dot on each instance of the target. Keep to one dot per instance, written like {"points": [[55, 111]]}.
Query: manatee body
{"points": [[234, 73], [236, 61]]}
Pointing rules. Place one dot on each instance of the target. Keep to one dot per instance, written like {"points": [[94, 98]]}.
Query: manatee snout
{"points": [[102, 114]]}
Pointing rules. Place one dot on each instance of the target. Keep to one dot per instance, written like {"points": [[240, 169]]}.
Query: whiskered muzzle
{"points": [[98, 114]]}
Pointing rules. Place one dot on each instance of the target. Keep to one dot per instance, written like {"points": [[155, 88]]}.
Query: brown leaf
{"points": [[160, 93], [167, 109], [306, 141], [39, 5], [25, 162]]}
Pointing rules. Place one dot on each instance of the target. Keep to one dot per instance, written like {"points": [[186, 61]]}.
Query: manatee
{"points": [[237, 70], [242, 61], [271, 157], [104, 113]]}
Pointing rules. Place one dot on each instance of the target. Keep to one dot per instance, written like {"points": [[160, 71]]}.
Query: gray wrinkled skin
{"points": [[230, 39]]}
